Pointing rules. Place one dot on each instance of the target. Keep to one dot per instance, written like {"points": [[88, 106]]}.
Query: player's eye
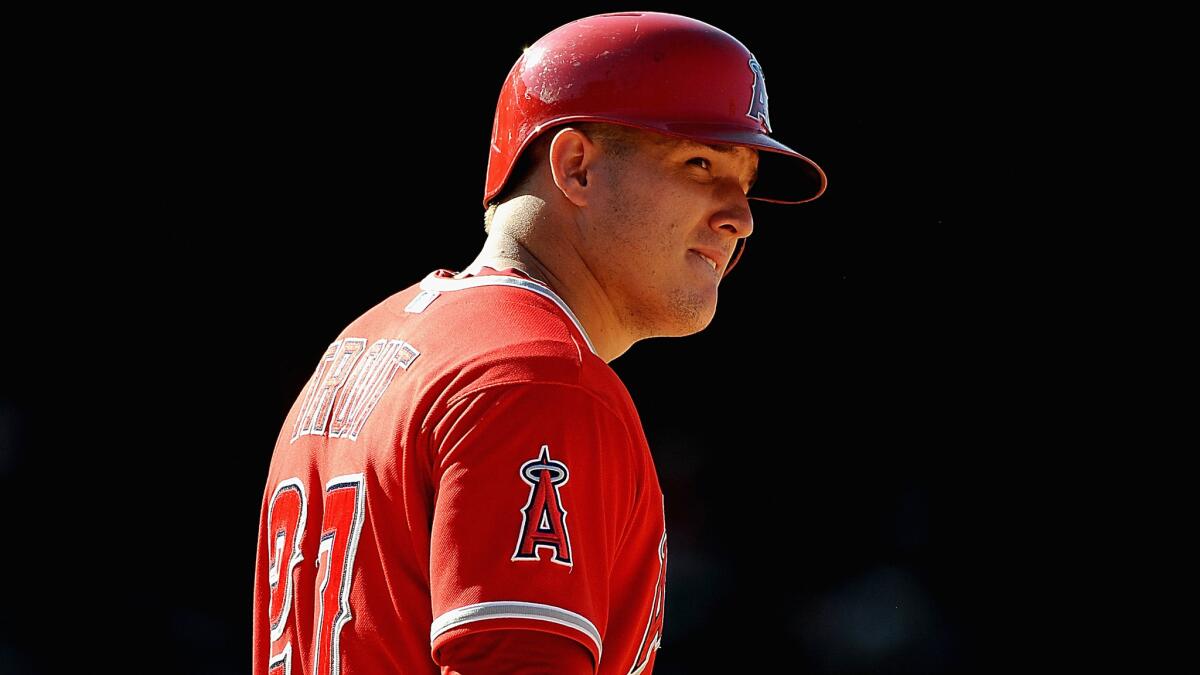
{"points": [[701, 162]]}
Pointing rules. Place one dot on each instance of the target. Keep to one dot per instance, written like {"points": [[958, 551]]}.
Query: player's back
{"points": [[345, 547]]}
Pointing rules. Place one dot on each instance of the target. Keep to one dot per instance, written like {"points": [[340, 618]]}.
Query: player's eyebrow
{"points": [[719, 147], [725, 150]]}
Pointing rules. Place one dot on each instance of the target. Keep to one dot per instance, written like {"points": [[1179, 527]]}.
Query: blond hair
{"points": [[617, 139]]}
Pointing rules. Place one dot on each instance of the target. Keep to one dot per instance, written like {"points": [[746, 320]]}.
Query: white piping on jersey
{"points": [[433, 283], [514, 609]]}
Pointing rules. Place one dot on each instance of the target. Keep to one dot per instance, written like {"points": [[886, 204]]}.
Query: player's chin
{"points": [[694, 311]]}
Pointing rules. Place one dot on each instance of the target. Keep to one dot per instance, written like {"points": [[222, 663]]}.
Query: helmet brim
{"points": [[784, 175]]}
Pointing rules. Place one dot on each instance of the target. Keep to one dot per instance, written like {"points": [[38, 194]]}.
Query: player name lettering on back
{"points": [[348, 383]]}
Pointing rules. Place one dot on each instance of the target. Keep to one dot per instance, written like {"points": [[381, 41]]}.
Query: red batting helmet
{"points": [[664, 73]]}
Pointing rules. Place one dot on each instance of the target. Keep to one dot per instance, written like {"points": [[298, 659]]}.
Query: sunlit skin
{"points": [[612, 235]]}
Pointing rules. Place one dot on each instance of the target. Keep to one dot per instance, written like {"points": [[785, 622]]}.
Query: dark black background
{"points": [[851, 453]]}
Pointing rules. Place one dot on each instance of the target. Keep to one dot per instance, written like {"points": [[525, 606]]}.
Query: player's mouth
{"points": [[709, 258]]}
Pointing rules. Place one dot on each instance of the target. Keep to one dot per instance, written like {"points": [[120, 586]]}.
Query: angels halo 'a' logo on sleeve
{"points": [[544, 519], [758, 100]]}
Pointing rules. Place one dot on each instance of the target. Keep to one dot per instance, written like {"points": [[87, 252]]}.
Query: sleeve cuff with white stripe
{"points": [[579, 626]]}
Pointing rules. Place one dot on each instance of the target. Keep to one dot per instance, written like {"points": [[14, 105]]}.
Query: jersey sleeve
{"points": [[534, 486], [515, 652]]}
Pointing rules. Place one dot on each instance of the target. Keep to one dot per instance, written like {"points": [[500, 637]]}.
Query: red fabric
{"points": [[515, 652], [459, 464]]}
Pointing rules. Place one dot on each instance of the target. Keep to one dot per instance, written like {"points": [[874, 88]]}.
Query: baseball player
{"points": [[464, 485]]}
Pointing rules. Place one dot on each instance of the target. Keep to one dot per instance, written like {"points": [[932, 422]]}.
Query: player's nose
{"points": [[733, 217]]}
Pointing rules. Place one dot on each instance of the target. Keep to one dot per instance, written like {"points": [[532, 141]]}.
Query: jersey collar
{"points": [[441, 284]]}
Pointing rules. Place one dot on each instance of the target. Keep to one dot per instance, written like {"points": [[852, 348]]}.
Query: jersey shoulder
{"points": [[493, 328]]}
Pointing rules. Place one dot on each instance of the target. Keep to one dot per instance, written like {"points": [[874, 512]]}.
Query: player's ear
{"points": [[572, 160]]}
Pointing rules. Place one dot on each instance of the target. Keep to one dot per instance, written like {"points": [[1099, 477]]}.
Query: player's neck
{"points": [[501, 254], [585, 298]]}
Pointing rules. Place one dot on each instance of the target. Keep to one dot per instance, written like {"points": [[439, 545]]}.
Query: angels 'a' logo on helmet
{"points": [[758, 101]]}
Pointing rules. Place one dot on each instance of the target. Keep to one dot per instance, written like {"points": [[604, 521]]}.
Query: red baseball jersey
{"points": [[460, 461]]}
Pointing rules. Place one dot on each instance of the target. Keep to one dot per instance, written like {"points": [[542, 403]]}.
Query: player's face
{"points": [[665, 201]]}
